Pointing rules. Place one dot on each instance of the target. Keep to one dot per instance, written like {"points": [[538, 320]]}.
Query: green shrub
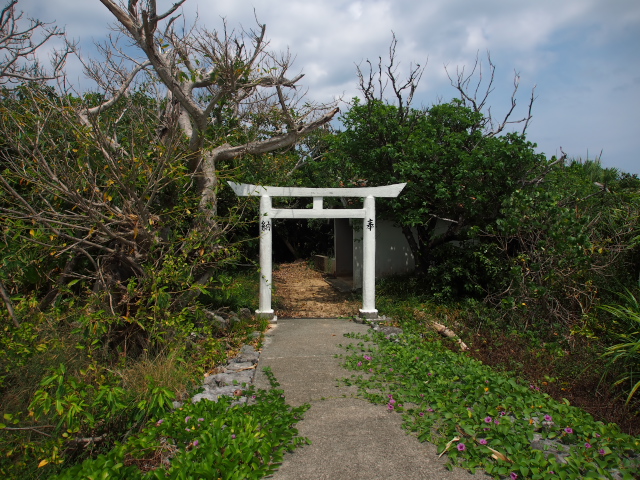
{"points": [[626, 331], [204, 440]]}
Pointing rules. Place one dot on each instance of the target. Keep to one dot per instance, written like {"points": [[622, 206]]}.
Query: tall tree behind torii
{"points": [[211, 74]]}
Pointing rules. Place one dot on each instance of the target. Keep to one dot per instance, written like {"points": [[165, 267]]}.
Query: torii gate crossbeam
{"points": [[367, 214]]}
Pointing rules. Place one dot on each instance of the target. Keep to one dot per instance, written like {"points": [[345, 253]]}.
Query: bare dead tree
{"points": [[207, 72], [19, 43], [474, 88]]}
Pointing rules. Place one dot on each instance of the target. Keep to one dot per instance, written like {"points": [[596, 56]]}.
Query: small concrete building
{"points": [[393, 254]]}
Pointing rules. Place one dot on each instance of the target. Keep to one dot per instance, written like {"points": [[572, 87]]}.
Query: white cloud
{"points": [[582, 54]]}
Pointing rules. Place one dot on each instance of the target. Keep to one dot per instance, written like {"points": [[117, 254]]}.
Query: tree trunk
{"points": [[50, 297], [7, 301], [415, 249]]}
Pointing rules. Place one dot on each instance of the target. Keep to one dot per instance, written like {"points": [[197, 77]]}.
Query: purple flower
{"points": [[359, 364], [488, 419], [187, 429], [392, 401], [390, 407], [461, 447], [160, 422], [201, 419], [186, 419], [429, 409], [422, 395], [391, 369], [568, 430], [513, 475], [496, 421], [429, 374], [482, 441], [421, 414], [502, 414], [233, 435], [367, 357], [601, 451], [195, 443], [548, 418], [371, 370], [598, 435], [587, 445]]}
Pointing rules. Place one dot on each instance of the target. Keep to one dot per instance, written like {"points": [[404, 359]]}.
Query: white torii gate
{"points": [[367, 213]]}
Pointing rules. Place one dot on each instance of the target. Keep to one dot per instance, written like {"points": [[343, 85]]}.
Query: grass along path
{"points": [[484, 419]]}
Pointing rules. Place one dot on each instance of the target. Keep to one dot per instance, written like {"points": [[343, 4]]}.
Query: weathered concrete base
{"points": [[369, 314], [268, 314]]}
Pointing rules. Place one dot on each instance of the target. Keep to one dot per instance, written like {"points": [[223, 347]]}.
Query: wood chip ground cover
{"points": [[301, 292]]}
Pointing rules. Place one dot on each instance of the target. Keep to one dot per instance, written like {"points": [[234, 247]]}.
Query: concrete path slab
{"points": [[351, 438]]}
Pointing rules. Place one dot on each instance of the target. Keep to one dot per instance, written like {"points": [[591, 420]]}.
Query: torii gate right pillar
{"points": [[368, 309]]}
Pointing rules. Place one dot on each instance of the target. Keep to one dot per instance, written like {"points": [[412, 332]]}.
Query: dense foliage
{"points": [[455, 172]]}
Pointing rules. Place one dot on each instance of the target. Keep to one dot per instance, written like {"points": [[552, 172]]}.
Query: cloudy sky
{"points": [[583, 56]]}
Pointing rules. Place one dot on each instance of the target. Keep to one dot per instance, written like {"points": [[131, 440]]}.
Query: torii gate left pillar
{"points": [[367, 214]]}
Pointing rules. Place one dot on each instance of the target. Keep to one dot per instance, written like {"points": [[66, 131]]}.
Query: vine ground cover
{"points": [[487, 420], [205, 440]]}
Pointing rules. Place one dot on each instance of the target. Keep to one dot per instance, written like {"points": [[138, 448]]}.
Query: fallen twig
{"points": [[446, 332]]}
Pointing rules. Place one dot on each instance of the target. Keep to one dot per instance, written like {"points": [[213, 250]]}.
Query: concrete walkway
{"points": [[351, 438]]}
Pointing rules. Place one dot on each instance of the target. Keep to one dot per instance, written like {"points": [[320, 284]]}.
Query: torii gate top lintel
{"points": [[248, 190], [367, 213]]}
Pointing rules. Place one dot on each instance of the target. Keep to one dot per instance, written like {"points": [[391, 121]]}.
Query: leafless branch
{"points": [[20, 42], [403, 90], [474, 89]]}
